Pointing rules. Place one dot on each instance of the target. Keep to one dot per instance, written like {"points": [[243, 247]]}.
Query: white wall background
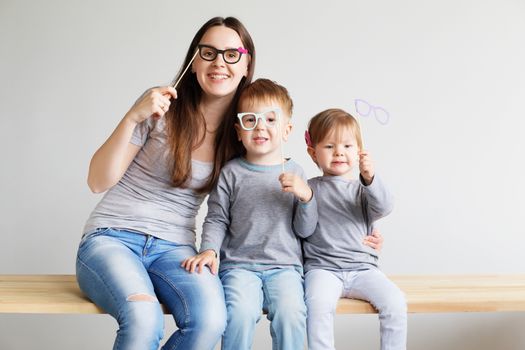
{"points": [[450, 72]]}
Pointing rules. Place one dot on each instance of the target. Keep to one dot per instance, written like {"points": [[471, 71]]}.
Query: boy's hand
{"points": [[296, 185], [366, 167], [207, 257], [375, 240]]}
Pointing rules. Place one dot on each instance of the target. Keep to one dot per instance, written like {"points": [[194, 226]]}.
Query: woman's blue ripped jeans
{"points": [[128, 273]]}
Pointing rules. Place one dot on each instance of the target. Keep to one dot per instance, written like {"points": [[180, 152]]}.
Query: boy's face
{"points": [[337, 154], [269, 125]]}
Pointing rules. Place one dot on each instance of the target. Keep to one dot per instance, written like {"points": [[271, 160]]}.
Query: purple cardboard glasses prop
{"points": [[364, 109]]}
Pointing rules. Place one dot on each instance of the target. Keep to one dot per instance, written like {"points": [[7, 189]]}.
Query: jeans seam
{"points": [[269, 305], [114, 301], [178, 292]]}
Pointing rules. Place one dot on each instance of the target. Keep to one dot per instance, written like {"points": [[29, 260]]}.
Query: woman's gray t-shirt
{"points": [[144, 199]]}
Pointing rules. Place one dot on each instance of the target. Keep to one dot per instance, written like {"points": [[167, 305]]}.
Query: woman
{"points": [[158, 165]]}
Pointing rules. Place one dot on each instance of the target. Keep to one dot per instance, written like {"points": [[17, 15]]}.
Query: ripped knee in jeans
{"points": [[142, 297]]}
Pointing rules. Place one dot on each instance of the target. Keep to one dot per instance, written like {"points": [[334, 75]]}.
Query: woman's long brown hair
{"points": [[185, 124]]}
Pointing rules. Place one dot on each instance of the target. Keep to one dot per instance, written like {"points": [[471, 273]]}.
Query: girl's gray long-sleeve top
{"points": [[347, 210]]}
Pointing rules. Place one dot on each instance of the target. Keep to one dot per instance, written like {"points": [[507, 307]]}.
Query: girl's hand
{"points": [[366, 167], [207, 257], [155, 102], [375, 240], [296, 185]]}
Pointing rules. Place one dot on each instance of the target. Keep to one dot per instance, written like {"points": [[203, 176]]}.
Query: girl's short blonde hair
{"points": [[330, 121]]}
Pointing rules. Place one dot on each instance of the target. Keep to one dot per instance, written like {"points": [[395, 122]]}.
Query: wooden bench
{"points": [[60, 294]]}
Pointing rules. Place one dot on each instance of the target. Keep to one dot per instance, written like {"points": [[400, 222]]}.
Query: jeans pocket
{"points": [[89, 235]]}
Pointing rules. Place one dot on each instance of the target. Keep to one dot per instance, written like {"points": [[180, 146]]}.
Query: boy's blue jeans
{"points": [[126, 273], [279, 292]]}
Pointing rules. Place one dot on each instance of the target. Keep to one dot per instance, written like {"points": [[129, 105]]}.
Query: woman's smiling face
{"points": [[218, 78]]}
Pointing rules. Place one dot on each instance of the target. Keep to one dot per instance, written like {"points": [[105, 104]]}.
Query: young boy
{"points": [[337, 261], [256, 216]]}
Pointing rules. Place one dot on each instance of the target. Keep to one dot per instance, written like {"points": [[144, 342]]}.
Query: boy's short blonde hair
{"points": [[267, 91], [333, 120]]}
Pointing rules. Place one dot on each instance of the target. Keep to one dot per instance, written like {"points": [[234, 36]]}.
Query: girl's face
{"points": [[263, 142], [337, 154], [218, 78]]}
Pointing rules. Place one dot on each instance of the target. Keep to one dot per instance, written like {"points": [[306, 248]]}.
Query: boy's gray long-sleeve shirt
{"points": [[347, 210], [252, 222]]}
